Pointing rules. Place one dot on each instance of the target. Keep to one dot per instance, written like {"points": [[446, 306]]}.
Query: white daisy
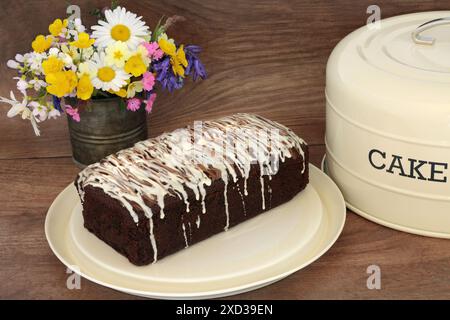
{"points": [[107, 77], [120, 25]]}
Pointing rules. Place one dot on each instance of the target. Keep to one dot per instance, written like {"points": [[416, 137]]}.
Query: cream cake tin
{"points": [[388, 122]]}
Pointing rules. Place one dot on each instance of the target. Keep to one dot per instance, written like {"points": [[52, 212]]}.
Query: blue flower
{"points": [[166, 77], [194, 64], [57, 103]]}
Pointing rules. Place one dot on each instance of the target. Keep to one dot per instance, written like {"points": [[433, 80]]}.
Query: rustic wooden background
{"points": [[267, 57]]}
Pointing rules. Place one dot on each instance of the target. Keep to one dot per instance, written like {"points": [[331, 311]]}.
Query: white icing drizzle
{"points": [[242, 199], [227, 212], [153, 241], [190, 231], [197, 222], [245, 187], [169, 165], [185, 236], [261, 179], [203, 192]]}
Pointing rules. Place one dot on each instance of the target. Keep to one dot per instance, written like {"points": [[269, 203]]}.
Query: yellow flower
{"points": [[177, 57], [61, 83], [117, 54], [179, 62], [41, 43], [167, 46], [133, 88], [72, 78], [83, 41], [58, 85], [72, 52], [143, 53], [135, 66], [85, 87], [52, 65], [57, 26], [87, 68], [121, 93]]}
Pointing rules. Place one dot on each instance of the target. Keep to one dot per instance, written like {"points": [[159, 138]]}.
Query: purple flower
{"points": [[194, 64], [166, 77]]}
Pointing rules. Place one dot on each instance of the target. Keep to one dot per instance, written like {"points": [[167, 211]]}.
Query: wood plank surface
{"points": [[267, 57], [412, 266]]}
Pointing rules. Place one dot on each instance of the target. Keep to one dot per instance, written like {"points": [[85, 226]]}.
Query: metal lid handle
{"points": [[427, 40]]}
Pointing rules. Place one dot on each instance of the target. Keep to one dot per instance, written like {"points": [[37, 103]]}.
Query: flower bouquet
{"points": [[74, 71]]}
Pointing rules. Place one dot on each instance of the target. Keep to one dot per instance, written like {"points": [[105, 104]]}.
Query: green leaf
{"points": [[97, 13], [159, 29], [114, 4]]}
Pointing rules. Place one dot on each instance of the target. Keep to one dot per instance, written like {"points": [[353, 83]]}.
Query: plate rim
{"points": [[212, 293]]}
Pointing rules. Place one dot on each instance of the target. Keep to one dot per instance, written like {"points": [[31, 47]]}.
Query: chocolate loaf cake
{"points": [[170, 192]]}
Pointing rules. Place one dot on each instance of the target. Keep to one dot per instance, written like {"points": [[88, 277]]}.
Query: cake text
{"points": [[408, 167]]}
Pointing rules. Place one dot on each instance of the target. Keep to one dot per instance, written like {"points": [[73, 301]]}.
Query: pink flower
{"points": [[134, 104], [158, 54], [153, 50], [73, 113], [148, 81], [149, 102]]}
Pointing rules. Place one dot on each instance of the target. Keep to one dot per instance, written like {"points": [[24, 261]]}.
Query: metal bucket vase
{"points": [[105, 128]]}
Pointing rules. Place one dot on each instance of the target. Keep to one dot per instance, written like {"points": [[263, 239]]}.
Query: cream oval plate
{"points": [[251, 255]]}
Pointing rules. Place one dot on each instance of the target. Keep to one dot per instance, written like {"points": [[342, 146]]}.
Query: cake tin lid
{"points": [[400, 69], [419, 50]]}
